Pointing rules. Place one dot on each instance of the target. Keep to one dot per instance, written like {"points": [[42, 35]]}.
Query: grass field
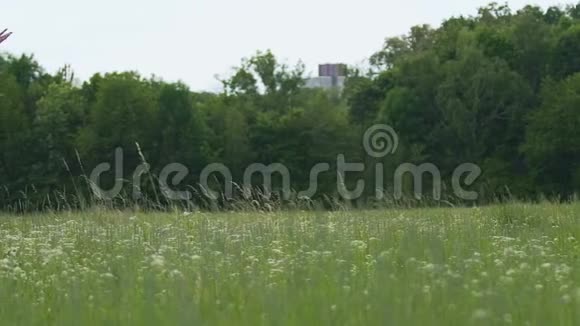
{"points": [[513, 264]]}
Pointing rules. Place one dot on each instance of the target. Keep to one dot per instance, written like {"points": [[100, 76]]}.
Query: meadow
{"points": [[512, 264]]}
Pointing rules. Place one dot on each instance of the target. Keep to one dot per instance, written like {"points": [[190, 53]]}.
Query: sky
{"points": [[197, 41]]}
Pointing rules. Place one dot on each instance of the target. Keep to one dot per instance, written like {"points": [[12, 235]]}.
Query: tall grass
{"points": [[511, 264]]}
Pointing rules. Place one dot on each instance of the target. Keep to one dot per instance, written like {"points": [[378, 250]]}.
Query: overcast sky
{"points": [[195, 40]]}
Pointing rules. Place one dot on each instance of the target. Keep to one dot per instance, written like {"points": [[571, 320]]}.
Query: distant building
{"points": [[330, 76], [332, 70]]}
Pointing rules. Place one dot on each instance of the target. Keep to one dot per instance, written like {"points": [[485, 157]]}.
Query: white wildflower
{"points": [[157, 261], [507, 318], [358, 245], [480, 314], [566, 299]]}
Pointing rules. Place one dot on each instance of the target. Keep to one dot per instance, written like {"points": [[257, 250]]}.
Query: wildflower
{"points": [[546, 265], [108, 276], [277, 251], [5, 263], [176, 274], [358, 245], [354, 270], [157, 261], [480, 314], [506, 279], [507, 318], [524, 266], [477, 294], [566, 299], [429, 267]]}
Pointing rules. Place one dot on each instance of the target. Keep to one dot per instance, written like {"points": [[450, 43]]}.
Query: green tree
{"points": [[552, 139], [124, 113], [59, 120], [14, 134], [365, 95], [566, 53], [182, 128], [483, 117]]}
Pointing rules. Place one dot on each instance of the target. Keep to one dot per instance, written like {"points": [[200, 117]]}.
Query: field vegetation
{"points": [[506, 264]]}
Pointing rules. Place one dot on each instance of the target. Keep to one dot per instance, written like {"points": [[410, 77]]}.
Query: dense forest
{"points": [[500, 89]]}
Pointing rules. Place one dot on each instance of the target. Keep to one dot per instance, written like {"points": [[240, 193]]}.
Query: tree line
{"points": [[500, 89]]}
